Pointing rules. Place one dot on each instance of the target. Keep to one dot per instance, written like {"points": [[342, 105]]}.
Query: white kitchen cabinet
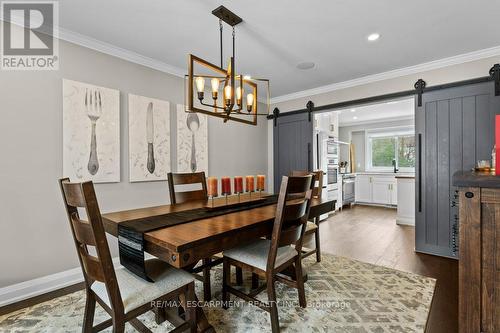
{"points": [[381, 190], [327, 122], [378, 189], [406, 206], [394, 193], [363, 190]]}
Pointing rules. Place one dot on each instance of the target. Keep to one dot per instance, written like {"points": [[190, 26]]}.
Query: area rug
{"points": [[343, 295]]}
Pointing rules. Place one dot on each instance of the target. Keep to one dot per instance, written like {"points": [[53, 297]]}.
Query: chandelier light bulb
{"points": [[228, 94], [239, 92], [200, 86], [215, 87], [250, 98]]}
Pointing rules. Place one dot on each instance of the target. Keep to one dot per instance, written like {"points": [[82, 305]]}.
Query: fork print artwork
{"points": [[91, 132]]}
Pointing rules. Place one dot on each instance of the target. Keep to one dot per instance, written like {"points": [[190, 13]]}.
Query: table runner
{"points": [[131, 233]]}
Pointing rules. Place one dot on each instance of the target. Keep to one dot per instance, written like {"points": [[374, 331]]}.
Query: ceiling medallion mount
{"points": [[225, 82]]}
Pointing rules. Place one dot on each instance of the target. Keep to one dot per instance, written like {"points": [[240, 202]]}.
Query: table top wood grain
{"points": [[184, 244]]}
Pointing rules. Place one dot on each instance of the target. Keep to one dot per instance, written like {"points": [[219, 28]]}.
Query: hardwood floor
{"points": [[370, 234]]}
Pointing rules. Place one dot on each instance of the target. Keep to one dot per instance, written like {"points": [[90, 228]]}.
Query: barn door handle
{"points": [[419, 173], [309, 166]]}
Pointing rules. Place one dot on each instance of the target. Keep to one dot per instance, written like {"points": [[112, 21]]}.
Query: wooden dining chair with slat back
{"points": [[177, 196], [268, 258], [312, 227], [123, 295], [187, 180]]}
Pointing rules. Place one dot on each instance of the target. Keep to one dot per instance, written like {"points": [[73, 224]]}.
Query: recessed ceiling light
{"points": [[354, 117], [353, 110], [373, 37], [306, 65]]}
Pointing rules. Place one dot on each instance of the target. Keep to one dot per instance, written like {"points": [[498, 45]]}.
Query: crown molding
{"points": [[107, 48], [427, 66], [118, 52]]}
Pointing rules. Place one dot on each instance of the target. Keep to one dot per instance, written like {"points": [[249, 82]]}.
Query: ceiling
{"points": [[380, 112], [277, 35]]}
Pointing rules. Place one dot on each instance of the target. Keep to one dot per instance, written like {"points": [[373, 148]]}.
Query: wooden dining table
{"points": [[184, 245]]}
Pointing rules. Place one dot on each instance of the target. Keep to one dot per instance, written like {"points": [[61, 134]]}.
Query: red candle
{"points": [[238, 184], [226, 185], [497, 143], [261, 180], [212, 187], [250, 184]]}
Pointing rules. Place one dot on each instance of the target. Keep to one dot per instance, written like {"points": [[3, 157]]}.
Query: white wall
{"points": [[35, 238], [464, 71]]}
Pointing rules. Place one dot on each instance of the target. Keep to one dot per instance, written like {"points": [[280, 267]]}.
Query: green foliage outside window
{"points": [[396, 147]]}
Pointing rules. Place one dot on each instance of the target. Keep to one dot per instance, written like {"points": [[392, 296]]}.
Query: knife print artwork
{"points": [[150, 138]]}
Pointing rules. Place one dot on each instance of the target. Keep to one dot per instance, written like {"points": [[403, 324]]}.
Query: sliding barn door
{"points": [[293, 137], [454, 128]]}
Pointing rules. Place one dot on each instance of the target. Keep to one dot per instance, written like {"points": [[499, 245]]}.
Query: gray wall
{"points": [[35, 238], [356, 135]]}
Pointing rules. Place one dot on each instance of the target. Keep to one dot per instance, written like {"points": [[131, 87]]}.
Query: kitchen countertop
{"points": [[475, 179], [381, 173]]}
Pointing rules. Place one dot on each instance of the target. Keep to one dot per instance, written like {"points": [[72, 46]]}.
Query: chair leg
{"points": [[239, 276], [118, 324], [226, 278], [255, 281], [273, 306], [318, 246], [300, 282], [88, 317], [316, 240], [207, 291], [191, 308]]}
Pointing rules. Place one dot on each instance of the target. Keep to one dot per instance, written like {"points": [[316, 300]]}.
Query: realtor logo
{"points": [[29, 40]]}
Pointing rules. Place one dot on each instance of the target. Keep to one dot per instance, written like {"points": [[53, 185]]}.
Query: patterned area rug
{"points": [[343, 295]]}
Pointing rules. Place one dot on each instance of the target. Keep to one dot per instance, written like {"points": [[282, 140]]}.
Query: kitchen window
{"points": [[384, 146]]}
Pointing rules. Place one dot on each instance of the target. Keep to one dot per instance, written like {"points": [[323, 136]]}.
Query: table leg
{"points": [[207, 291], [239, 276], [203, 324]]}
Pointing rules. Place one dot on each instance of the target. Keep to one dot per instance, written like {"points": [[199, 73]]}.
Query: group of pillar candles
{"points": [[212, 185]]}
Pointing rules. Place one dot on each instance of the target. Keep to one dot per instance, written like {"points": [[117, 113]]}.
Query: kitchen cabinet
{"points": [[327, 122], [376, 189], [406, 206], [363, 190], [479, 264]]}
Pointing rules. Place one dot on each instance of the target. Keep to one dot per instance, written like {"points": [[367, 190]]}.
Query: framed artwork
{"points": [[149, 138], [91, 132], [192, 141]]}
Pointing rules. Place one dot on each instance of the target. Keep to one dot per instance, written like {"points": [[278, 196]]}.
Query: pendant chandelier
{"points": [[233, 96]]}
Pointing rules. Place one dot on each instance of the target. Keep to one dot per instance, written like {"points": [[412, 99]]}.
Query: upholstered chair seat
{"points": [[255, 254], [136, 291]]}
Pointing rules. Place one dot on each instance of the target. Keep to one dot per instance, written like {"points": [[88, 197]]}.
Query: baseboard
{"points": [[403, 220], [24, 290]]}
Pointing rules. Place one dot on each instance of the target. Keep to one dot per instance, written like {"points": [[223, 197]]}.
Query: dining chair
{"points": [[123, 295], [312, 227], [268, 258], [187, 180], [180, 195]]}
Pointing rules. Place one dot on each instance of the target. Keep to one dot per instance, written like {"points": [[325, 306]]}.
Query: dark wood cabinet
{"points": [[479, 267]]}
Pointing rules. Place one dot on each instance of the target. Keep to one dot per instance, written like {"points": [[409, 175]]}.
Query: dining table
{"points": [[184, 245]]}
